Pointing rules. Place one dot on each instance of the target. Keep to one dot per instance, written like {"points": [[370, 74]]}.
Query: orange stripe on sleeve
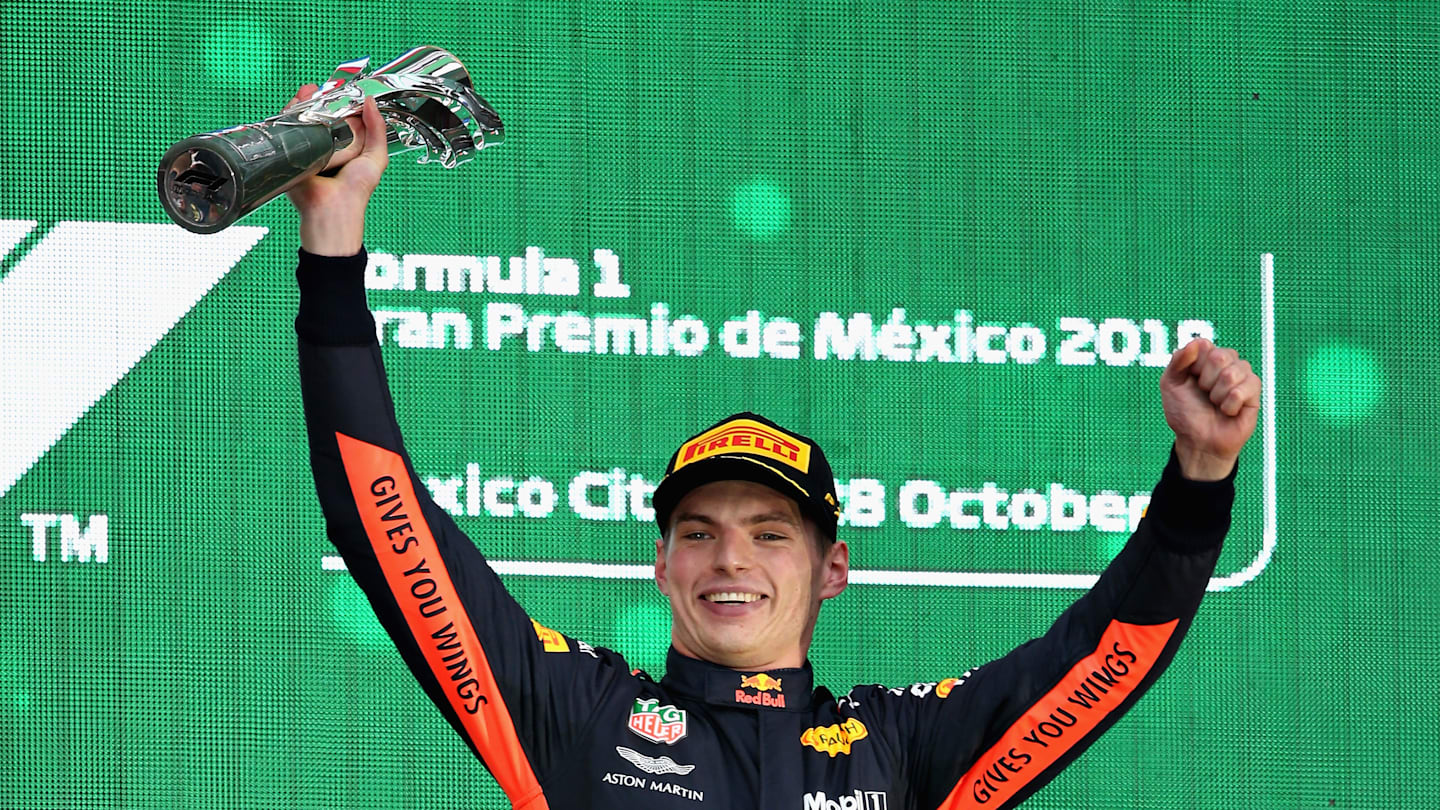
{"points": [[1088, 693], [420, 583]]}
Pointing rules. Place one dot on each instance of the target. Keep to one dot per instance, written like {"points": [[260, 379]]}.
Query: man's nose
{"points": [[733, 551]]}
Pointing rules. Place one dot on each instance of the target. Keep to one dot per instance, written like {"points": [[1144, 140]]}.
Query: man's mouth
{"points": [[732, 597]]}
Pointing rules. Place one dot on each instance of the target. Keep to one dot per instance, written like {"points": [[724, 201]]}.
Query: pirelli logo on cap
{"points": [[746, 436]]}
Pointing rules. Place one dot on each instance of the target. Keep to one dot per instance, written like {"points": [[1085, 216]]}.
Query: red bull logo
{"points": [[763, 683], [763, 699], [760, 682], [749, 437], [943, 688]]}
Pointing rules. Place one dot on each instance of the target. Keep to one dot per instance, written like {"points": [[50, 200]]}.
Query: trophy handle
{"points": [[208, 182]]}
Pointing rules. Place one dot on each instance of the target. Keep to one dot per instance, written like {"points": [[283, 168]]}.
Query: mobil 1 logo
{"points": [[854, 800]]}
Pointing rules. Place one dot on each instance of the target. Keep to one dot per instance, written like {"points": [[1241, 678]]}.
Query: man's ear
{"points": [[660, 566], [835, 571]]}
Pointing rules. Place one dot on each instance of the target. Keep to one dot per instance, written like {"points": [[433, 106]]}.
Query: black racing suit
{"points": [[562, 724]]}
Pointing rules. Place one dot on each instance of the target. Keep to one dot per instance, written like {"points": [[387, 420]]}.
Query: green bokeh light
{"points": [[351, 612], [240, 53], [1343, 382], [761, 209], [15, 700], [14, 695]]}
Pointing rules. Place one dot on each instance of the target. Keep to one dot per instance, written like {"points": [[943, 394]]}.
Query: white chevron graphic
{"points": [[81, 309], [11, 232]]}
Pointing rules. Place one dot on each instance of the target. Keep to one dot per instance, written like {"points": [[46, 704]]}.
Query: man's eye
{"points": [[771, 536]]}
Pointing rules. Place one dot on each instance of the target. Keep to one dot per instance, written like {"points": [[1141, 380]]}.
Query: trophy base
{"points": [[199, 188], [210, 181]]}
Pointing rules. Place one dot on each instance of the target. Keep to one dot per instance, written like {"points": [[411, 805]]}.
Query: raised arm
{"points": [[514, 691], [994, 736]]}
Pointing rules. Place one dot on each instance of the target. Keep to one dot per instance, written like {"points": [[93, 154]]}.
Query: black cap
{"points": [[749, 447]]}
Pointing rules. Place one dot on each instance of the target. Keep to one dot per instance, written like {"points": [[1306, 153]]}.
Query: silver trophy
{"points": [[208, 182]]}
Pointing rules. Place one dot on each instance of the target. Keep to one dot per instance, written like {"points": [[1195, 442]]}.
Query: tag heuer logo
{"points": [[656, 723]]}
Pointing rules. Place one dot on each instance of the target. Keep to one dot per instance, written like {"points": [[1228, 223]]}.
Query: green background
{"points": [[1025, 161]]}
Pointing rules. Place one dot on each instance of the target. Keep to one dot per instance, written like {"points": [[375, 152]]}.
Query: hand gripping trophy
{"points": [[208, 182]]}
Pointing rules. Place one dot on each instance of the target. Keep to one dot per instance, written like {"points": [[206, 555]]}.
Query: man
{"points": [[748, 552]]}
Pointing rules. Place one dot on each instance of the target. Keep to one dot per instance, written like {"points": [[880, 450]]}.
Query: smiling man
{"points": [[747, 515]]}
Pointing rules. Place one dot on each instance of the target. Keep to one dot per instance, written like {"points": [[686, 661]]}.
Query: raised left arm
{"points": [[994, 737]]}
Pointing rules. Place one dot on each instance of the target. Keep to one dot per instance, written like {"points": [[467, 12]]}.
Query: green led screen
{"points": [[955, 242]]}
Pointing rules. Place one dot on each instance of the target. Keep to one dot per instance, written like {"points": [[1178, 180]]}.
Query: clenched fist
{"points": [[1211, 399], [332, 209]]}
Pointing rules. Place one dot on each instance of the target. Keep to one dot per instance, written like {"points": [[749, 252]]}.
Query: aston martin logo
{"points": [[652, 765]]}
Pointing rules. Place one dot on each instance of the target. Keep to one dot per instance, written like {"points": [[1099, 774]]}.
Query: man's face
{"points": [[744, 576]]}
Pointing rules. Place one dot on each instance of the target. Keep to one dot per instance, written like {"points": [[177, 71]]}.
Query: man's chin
{"points": [[740, 650]]}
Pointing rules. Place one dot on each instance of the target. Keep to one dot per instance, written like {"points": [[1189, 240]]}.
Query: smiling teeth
{"points": [[731, 596]]}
